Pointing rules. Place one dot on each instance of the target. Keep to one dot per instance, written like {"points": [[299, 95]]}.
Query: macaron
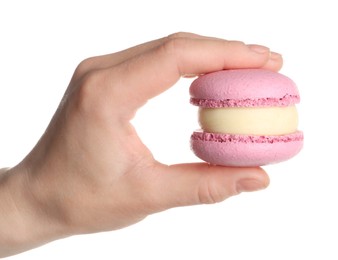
{"points": [[248, 117]]}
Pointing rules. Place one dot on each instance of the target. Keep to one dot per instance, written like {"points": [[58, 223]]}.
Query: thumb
{"points": [[201, 183]]}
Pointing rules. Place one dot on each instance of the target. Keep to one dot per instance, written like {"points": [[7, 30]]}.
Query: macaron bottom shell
{"points": [[245, 150]]}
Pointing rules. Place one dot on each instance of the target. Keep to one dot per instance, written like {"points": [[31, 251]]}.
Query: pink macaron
{"points": [[247, 118]]}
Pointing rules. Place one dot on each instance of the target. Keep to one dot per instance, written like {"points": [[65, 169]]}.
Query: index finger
{"points": [[148, 74]]}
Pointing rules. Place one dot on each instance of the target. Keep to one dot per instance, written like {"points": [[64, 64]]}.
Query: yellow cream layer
{"points": [[249, 120]]}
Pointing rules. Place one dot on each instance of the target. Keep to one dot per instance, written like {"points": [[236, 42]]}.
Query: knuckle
{"points": [[99, 94], [177, 35], [84, 67], [90, 90], [174, 45]]}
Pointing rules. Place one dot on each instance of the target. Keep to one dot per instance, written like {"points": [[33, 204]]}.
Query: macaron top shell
{"points": [[243, 88]]}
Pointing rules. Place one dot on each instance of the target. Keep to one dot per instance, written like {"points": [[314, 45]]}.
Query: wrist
{"points": [[25, 223]]}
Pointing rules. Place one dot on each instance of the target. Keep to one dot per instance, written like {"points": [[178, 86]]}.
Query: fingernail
{"points": [[275, 56], [246, 185], [189, 76], [260, 49]]}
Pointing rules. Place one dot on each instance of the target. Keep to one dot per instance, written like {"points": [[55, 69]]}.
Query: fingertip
{"points": [[256, 180], [202, 183], [242, 56], [275, 62], [222, 182]]}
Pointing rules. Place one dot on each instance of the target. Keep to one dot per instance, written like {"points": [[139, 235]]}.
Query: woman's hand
{"points": [[90, 172]]}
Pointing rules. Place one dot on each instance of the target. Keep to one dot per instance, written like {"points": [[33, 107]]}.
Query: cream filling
{"points": [[249, 120]]}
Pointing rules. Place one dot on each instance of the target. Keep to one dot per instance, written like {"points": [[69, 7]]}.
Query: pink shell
{"points": [[243, 88], [245, 151]]}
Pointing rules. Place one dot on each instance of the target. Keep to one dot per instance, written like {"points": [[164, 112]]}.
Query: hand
{"points": [[90, 172]]}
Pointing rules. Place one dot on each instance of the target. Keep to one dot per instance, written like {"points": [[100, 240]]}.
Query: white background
{"points": [[41, 42]]}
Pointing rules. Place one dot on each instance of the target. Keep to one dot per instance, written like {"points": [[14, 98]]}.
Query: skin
{"points": [[90, 172]]}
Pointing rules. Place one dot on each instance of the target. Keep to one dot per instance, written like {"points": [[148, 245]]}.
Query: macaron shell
{"points": [[245, 151], [245, 84]]}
